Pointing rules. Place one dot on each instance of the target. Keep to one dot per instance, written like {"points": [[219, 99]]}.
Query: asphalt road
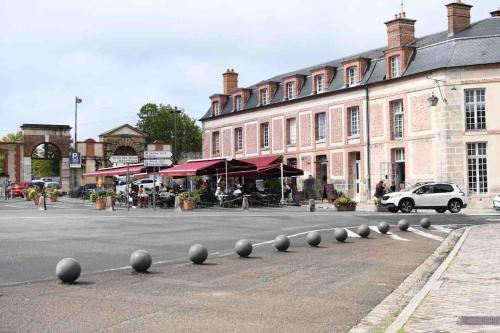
{"points": [[33, 241]]}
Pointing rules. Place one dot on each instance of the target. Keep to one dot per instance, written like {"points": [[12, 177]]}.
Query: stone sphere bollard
{"points": [[312, 205], [364, 231], [198, 254], [425, 223], [383, 227], [68, 270], [281, 243], [313, 238], [340, 234], [403, 225], [141, 260], [243, 247]]}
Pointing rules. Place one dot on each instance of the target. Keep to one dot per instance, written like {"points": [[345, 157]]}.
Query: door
{"points": [[424, 196], [357, 179]]}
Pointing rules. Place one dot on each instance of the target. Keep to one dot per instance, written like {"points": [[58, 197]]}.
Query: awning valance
{"points": [[116, 171], [207, 168]]}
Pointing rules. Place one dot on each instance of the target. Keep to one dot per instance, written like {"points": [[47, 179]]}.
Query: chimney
{"points": [[230, 81], [458, 17], [400, 31], [495, 13]]}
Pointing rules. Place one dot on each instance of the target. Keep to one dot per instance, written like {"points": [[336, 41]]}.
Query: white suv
{"points": [[438, 196]]}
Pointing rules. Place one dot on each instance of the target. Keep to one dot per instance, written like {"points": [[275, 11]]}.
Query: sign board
{"points": [[158, 162], [75, 160], [157, 154], [124, 159]]}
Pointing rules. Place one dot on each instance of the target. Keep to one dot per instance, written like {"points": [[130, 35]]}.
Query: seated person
{"points": [[237, 192], [219, 194]]}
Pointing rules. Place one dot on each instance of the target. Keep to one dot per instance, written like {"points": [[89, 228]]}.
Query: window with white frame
{"points": [[264, 135], [320, 126], [477, 168], [353, 114], [290, 90], [215, 143], [320, 84], [238, 139], [291, 126], [352, 73], [264, 96], [398, 119], [395, 66], [237, 103], [475, 109], [399, 155], [216, 108]]}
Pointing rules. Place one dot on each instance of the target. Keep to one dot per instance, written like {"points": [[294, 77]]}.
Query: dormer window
{"points": [[290, 90], [237, 103], [352, 74], [320, 83], [395, 66], [264, 96], [215, 108]]}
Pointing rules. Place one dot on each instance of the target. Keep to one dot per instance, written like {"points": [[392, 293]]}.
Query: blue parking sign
{"points": [[75, 160]]}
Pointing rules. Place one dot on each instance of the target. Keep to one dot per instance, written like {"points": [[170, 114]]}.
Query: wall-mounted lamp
{"points": [[433, 100]]}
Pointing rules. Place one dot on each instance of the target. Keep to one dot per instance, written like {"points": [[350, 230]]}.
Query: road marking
{"points": [[374, 229], [390, 234], [442, 229], [13, 206], [494, 220], [352, 233], [426, 234]]}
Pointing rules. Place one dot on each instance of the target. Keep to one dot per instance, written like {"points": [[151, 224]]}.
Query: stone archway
{"points": [[46, 161], [125, 150]]}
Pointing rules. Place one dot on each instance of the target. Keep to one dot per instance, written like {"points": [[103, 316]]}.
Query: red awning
{"points": [[268, 167], [116, 171], [207, 168]]}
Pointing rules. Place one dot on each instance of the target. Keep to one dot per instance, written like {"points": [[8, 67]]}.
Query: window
{"points": [[264, 135], [353, 114], [443, 188], [290, 90], [237, 103], [215, 143], [320, 127], [477, 168], [238, 139], [264, 96], [398, 119], [216, 109], [3, 158], [475, 109], [352, 73], [319, 83], [291, 127], [395, 66], [292, 162], [399, 155]]}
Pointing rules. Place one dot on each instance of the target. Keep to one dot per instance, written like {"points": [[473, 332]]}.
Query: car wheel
{"points": [[455, 206], [393, 209], [406, 206], [441, 210]]}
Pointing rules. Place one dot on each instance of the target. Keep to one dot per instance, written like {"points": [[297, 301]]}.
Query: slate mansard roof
{"points": [[476, 45]]}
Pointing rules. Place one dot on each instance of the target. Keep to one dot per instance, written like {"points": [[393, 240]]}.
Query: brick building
{"points": [[418, 109]]}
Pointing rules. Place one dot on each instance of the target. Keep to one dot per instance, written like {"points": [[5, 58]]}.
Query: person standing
{"points": [[6, 188]]}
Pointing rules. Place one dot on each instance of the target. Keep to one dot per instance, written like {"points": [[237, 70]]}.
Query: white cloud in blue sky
{"points": [[119, 55]]}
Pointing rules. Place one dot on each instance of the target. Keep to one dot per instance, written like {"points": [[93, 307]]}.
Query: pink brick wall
{"points": [[305, 128], [420, 113], [227, 143], [377, 156], [419, 150], [206, 145], [251, 139], [336, 126], [376, 120], [338, 164], [277, 133], [305, 163]]}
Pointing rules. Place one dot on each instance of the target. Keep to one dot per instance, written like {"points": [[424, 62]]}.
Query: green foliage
{"points": [[157, 122], [343, 201], [45, 167], [194, 196], [53, 191], [33, 192], [13, 137], [93, 197]]}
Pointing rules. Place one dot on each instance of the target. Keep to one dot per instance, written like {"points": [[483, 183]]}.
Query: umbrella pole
{"points": [[282, 187]]}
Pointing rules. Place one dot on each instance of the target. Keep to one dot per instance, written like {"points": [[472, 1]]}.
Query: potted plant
{"points": [[344, 204], [53, 194], [26, 193], [100, 199], [34, 194], [189, 199]]}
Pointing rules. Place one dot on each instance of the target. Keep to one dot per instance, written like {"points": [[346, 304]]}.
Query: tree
{"points": [[13, 137], [158, 122]]}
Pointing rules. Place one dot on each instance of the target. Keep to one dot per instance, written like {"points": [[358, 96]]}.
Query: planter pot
{"points": [[53, 198], [100, 204], [345, 208], [187, 204], [36, 199]]}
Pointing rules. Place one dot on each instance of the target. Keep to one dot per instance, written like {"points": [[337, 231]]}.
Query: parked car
{"points": [[16, 190], [52, 185], [147, 183], [496, 202], [438, 196]]}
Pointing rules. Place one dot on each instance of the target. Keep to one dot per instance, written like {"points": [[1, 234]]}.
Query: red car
{"points": [[16, 190]]}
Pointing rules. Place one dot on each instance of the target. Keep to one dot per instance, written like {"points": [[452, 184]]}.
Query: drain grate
{"points": [[479, 320]]}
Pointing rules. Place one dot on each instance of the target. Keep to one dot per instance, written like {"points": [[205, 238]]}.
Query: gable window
{"points": [[395, 66], [352, 75], [475, 109], [215, 143], [320, 83], [264, 135], [320, 122], [398, 119], [237, 103], [291, 131], [290, 90], [477, 168], [353, 118], [264, 96], [238, 139], [216, 108]]}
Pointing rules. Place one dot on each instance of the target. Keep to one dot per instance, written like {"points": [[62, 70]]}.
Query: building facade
{"points": [[419, 109]]}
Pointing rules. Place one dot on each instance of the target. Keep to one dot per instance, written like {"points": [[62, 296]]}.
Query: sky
{"points": [[118, 55]]}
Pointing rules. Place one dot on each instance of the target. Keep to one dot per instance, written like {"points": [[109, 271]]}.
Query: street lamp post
{"points": [[174, 148], [78, 100]]}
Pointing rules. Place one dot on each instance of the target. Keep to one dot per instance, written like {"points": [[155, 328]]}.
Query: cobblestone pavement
{"points": [[469, 287]]}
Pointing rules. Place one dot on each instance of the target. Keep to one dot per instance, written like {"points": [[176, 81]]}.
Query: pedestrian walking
{"points": [[6, 188]]}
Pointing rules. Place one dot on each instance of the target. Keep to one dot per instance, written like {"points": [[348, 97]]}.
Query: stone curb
{"points": [[384, 313]]}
